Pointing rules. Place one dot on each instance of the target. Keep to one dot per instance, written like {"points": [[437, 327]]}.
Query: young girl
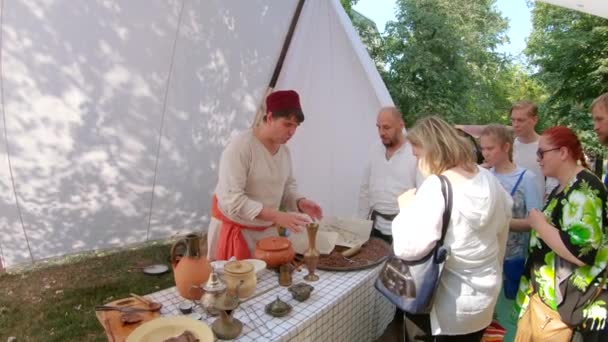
{"points": [[497, 149]]}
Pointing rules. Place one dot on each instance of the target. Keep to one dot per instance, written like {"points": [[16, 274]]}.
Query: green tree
{"points": [[367, 30], [569, 50], [441, 59]]}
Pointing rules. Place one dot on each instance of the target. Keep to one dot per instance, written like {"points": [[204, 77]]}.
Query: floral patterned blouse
{"points": [[580, 213]]}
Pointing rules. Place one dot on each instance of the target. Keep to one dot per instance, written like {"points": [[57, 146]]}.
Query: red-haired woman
{"points": [[568, 250]]}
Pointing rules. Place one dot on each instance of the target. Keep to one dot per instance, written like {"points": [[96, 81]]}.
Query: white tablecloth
{"points": [[344, 306]]}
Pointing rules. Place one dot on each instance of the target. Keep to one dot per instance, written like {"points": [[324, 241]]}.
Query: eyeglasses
{"points": [[541, 154]]}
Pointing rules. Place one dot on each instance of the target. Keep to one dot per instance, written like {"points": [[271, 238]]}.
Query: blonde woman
{"points": [[476, 235]]}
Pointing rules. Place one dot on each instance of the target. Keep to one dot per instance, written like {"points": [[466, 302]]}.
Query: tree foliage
{"points": [[569, 50], [439, 56], [441, 59]]}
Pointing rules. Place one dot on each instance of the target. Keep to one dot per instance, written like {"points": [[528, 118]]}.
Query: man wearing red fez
{"points": [[255, 180]]}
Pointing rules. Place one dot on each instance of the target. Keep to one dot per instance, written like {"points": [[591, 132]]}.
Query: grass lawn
{"points": [[55, 303]]}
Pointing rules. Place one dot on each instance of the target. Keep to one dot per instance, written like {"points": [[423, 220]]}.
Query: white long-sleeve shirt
{"points": [[476, 236], [384, 180], [250, 178]]}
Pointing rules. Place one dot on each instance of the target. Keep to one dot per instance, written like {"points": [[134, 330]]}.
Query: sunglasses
{"points": [[541, 154]]}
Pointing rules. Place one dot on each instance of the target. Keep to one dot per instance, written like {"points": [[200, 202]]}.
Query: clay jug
{"points": [[193, 268]]}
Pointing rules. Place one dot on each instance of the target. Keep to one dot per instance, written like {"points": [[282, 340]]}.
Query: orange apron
{"points": [[231, 241]]}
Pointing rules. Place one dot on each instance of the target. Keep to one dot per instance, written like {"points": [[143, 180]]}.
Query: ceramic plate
{"points": [[156, 269], [258, 265], [164, 328]]}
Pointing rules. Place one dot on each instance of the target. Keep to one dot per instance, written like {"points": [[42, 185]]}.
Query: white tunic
{"points": [[384, 180], [250, 178], [477, 235]]}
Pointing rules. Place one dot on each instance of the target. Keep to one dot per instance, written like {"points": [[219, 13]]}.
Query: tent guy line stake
{"points": [[8, 150], [164, 111]]}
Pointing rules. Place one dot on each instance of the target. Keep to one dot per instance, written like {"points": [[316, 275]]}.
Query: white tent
{"points": [[595, 7], [115, 113]]}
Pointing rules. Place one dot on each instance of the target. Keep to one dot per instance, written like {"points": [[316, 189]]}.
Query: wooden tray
{"points": [[366, 258], [114, 328]]}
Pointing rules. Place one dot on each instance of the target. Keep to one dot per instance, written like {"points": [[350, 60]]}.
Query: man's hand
{"points": [[405, 198], [310, 208], [293, 221]]}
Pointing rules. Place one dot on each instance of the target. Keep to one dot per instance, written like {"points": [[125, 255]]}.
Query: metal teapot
{"points": [[214, 289]]}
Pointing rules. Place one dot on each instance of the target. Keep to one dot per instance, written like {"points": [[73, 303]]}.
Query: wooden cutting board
{"points": [[113, 326]]}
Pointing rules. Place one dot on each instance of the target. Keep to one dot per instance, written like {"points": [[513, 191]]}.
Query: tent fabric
{"points": [[341, 93], [115, 113], [595, 7]]}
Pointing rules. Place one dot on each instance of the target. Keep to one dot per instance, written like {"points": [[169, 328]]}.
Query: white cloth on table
{"points": [[250, 178], [477, 235], [384, 180]]}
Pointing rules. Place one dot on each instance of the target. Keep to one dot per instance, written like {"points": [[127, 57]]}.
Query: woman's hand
{"points": [[406, 198], [536, 219]]}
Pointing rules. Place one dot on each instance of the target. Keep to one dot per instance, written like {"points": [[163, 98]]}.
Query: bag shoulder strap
{"points": [[446, 190], [521, 175]]}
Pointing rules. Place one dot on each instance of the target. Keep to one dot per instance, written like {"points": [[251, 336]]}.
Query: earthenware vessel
{"points": [[240, 272], [192, 268], [275, 251]]}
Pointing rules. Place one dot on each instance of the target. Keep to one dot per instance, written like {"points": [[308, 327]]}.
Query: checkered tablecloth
{"points": [[344, 306]]}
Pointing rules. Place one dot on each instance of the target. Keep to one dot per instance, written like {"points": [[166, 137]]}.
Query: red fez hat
{"points": [[283, 100]]}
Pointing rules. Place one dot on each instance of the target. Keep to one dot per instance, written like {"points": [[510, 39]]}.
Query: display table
{"points": [[344, 306]]}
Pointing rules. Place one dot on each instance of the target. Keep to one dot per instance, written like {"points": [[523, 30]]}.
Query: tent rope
{"points": [[279, 66], [164, 111], [8, 150]]}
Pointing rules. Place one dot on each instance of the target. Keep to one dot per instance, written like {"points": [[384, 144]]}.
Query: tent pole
{"points": [[277, 69]]}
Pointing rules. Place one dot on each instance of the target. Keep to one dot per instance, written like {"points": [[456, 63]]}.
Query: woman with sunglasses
{"points": [[568, 249]]}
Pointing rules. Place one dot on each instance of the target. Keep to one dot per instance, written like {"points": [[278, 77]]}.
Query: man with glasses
{"points": [[524, 117]]}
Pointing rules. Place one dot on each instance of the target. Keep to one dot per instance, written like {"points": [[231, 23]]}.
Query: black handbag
{"points": [[411, 285]]}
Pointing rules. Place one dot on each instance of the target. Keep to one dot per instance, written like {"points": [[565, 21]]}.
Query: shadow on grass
{"points": [[56, 303]]}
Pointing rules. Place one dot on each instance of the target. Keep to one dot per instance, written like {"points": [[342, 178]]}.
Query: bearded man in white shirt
{"points": [[524, 117], [390, 171]]}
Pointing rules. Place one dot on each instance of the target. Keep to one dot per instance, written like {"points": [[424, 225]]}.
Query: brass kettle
{"points": [[227, 327]]}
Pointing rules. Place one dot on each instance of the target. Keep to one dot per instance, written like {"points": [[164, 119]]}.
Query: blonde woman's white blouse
{"points": [[476, 235]]}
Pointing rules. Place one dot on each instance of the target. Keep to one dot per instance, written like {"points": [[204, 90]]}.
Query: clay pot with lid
{"points": [[274, 250], [240, 272]]}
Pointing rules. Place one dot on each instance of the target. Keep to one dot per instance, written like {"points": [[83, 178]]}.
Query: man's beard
{"points": [[389, 143]]}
